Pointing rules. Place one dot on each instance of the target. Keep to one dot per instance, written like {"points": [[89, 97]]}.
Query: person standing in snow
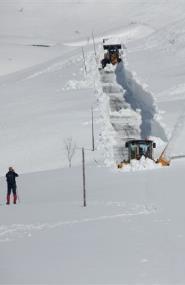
{"points": [[11, 185]]}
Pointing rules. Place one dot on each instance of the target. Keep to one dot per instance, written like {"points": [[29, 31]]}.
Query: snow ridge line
{"points": [[9, 233]]}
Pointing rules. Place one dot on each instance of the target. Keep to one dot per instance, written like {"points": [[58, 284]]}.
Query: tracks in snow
{"points": [[16, 231]]}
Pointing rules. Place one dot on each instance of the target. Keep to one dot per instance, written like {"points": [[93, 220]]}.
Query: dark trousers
{"points": [[11, 188]]}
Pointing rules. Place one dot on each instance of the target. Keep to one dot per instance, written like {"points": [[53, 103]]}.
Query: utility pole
{"points": [[83, 172], [84, 61], [92, 127]]}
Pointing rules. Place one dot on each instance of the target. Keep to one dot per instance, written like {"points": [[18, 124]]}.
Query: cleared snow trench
{"points": [[132, 109], [140, 99]]}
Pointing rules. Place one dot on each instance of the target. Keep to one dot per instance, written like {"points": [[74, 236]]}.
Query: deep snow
{"points": [[129, 225], [132, 230]]}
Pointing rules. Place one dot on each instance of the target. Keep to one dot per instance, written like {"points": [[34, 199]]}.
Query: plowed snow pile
{"points": [[132, 229]]}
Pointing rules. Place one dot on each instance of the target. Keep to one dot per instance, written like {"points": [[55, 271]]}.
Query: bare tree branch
{"points": [[70, 147]]}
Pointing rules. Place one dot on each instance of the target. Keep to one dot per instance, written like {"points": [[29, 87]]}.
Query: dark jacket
{"points": [[10, 177]]}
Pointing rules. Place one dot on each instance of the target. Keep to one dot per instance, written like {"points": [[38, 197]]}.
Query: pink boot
{"points": [[7, 199], [14, 198]]}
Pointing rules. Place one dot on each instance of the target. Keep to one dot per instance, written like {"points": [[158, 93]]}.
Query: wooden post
{"points": [[84, 61], [92, 123], [83, 171]]}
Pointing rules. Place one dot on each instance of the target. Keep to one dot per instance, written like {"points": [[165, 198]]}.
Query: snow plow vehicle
{"points": [[140, 148], [112, 54]]}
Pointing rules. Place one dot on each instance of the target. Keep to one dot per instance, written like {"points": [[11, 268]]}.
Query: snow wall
{"points": [[140, 99], [131, 112]]}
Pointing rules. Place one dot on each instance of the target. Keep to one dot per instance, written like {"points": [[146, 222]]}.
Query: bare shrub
{"points": [[70, 147]]}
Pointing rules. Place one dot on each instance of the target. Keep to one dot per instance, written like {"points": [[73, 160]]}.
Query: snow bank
{"points": [[131, 110], [78, 84], [142, 164], [121, 122]]}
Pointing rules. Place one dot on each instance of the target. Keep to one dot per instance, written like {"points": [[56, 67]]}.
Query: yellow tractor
{"points": [[139, 148], [111, 55]]}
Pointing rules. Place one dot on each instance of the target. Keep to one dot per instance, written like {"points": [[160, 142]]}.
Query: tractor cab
{"points": [[112, 54], [139, 148]]}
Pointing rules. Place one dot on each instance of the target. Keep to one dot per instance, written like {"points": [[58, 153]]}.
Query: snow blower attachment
{"points": [[140, 148], [112, 54], [163, 160]]}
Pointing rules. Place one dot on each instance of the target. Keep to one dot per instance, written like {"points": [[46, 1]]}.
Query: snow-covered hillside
{"points": [[132, 230]]}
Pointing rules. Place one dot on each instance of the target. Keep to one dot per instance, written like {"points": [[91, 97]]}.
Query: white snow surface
{"points": [[132, 230]]}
